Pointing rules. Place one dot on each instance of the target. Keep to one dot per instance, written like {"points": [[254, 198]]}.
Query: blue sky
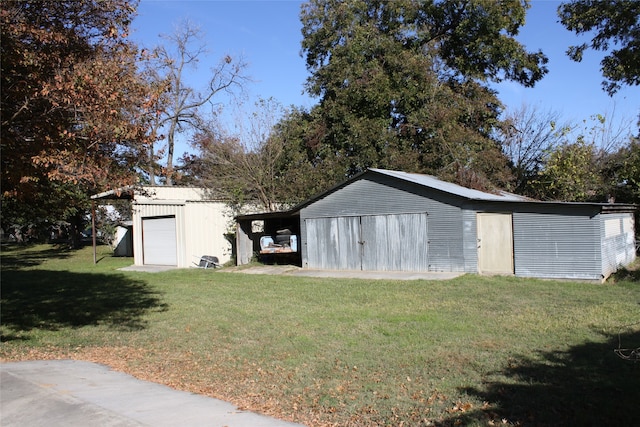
{"points": [[267, 35]]}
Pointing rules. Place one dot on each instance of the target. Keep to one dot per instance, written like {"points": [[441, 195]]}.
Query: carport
{"points": [[251, 227]]}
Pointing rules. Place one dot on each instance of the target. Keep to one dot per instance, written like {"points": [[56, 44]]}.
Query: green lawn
{"points": [[469, 351]]}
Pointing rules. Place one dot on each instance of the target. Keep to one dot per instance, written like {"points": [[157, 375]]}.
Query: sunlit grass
{"points": [[342, 351]]}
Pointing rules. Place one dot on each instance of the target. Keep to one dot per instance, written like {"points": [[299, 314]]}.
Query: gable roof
{"points": [[432, 182], [451, 188]]}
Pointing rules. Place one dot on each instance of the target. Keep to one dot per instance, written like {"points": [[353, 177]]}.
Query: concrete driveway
{"points": [[78, 394]]}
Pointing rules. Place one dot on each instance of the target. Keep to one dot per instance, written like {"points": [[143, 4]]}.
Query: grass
{"points": [[469, 351]]}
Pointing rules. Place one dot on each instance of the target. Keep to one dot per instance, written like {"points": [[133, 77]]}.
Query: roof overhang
{"points": [[123, 193], [619, 208], [268, 215]]}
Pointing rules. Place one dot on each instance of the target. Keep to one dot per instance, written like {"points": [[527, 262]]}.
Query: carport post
{"points": [[93, 229]]}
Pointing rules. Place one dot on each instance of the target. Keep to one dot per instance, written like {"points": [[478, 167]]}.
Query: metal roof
{"points": [[127, 192], [448, 187], [430, 181]]}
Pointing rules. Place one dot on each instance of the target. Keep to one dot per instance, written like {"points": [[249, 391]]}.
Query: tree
{"points": [[615, 26], [307, 165], [620, 161], [570, 174], [528, 136], [594, 166], [74, 118], [178, 105], [243, 167], [402, 84]]}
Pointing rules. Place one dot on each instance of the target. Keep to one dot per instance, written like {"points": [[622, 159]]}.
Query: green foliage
{"points": [[570, 174], [472, 39], [615, 28], [565, 163], [402, 86], [621, 170]]}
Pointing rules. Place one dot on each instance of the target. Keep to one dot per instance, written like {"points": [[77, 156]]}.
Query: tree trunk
{"points": [[152, 167], [170, 142], [76, 229]]}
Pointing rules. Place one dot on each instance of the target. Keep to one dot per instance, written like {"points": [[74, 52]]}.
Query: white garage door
{"points": [[159, 241]]}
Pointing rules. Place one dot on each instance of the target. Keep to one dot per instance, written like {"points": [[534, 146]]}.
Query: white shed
{"points": [[176, 226]]}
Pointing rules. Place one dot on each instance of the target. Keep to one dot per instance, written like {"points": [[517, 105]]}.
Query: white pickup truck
{"points": [[283, 242]]}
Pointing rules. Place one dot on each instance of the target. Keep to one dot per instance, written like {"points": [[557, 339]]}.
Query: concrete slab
{"points": [[149, 268], [292, 270], [289, 270], [380, 275], [78, 394]]}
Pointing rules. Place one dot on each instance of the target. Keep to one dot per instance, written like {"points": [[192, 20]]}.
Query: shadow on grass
{"points": [[52, 300], [588, 385], [630, 273], [627, 275], [16, 256]]}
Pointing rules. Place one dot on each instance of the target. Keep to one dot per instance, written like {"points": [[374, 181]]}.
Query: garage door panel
{"points": [[349, 241], [414, 242], [395, 242], [376, 243], [332, 243], [159, 241]]}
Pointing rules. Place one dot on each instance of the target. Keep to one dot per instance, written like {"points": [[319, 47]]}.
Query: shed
{"points": [[174, 225], [123, 239], [396, 221]]}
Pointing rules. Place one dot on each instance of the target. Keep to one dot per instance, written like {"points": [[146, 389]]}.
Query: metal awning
{"points": [[123, 193]]}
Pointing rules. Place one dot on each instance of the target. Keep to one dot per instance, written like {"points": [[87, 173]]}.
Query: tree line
{"points": [[402, 85]]}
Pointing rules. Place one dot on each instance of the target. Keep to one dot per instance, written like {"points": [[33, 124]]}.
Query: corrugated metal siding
{"points": [[200, 227], [446, 238], [396, 242], [388, 196], [618, 241], [557, 245], [244, 244], [552, 240], [205, 226]]}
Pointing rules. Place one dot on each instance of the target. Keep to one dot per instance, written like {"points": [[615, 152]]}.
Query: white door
{"points": [[159, 241], [495, 243]]}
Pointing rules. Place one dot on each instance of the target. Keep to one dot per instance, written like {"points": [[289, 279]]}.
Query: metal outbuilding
{"points": [[175, 226], [396, 221]]}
